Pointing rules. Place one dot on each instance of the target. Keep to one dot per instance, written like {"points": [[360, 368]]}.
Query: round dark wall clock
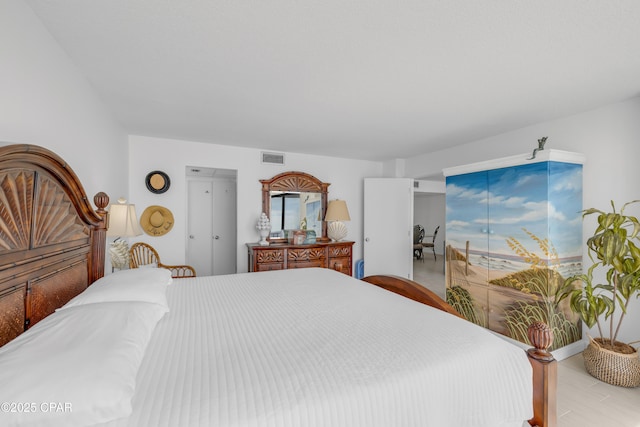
{"points": [[157, 182]]}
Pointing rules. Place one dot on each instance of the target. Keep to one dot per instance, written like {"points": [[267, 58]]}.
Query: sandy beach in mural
{"points": [[492, 299]]}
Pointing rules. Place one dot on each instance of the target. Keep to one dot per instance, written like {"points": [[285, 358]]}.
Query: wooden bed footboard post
{"points": [[545, 376]]}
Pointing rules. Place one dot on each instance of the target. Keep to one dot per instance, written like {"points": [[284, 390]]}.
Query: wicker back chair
{"points": [[418, 236], [142, 254], [432, 243]]}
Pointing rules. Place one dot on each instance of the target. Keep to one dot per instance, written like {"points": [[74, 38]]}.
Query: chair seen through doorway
{"points": [[432, 244], [418, 237]]}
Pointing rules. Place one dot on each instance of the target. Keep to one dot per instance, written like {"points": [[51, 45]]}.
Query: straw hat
{"points": [[156, 220]]}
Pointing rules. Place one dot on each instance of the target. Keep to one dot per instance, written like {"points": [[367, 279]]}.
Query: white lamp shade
{"points": [[337, 211], [123, 221]]}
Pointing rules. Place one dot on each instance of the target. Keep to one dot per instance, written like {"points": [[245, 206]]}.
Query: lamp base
{"points": [[336, 231], [119, 251]]}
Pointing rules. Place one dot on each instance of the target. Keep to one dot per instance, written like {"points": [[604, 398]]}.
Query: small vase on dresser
{"points": [[264, 228]]}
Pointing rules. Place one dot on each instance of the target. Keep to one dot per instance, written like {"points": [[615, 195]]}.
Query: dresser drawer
{"points": [[340, 251], [269, 256], [342, 264], [306, 254], [307, 264], [269, 267]]}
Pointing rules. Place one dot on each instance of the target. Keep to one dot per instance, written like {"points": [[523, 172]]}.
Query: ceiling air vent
{"points": [[273, 158]]}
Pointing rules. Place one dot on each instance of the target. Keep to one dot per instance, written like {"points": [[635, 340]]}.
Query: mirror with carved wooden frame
{"points": [[296, 185]]}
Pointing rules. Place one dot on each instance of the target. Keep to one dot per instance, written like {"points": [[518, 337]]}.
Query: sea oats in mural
{"points": [[513, 235]]}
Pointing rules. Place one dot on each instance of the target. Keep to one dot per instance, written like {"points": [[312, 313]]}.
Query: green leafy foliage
{"points": [[612, 248]]}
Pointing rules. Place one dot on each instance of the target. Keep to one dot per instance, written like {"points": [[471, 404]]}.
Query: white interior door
{"points": [[388, 226], [224, 227], [200, 226]]}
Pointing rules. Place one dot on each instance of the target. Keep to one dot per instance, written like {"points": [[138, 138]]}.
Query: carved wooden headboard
{"points": [[52, 242]]}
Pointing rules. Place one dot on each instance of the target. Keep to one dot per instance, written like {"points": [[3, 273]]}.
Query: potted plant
{"points": [[613, 250]]}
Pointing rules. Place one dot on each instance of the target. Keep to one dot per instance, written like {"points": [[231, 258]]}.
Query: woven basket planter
{"points": [[612, 367]]}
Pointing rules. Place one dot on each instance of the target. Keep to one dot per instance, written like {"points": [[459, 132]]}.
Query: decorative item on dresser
{"points": [[336, 213], [333, 255], [264, 228]]}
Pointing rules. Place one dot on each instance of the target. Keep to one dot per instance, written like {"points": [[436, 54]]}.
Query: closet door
{"points": [[467, 252], [199, 226], [211, 225], [518, 222]]}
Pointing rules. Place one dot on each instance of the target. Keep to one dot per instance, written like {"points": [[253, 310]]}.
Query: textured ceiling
{"points": [[376, 79]]}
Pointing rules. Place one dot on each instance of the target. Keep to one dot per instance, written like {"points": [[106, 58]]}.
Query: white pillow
{"points": [[83, 360], [152, 265], [148, 285]]}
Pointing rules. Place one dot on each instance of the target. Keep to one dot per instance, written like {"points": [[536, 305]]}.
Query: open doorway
{"points": [[429, 211]]}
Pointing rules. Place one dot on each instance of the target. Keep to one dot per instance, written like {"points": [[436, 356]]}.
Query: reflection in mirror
{"points": [[294, 210]]}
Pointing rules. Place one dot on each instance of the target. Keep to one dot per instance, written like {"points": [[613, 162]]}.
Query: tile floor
{"points": [[430, 273], [586, 401], [582, 400]]}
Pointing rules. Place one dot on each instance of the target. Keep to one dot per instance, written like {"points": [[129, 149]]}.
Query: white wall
{"points": [[608, 136], [44, 100], [171, 156]]}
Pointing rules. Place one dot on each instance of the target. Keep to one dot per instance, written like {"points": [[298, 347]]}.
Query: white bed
{"points": [[308, 347]]}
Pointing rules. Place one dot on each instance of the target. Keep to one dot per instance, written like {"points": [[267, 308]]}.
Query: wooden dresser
{"points": [[280, 256]]}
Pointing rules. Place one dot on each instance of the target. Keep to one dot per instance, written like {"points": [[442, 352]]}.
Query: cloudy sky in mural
{"points": [[487, 208]]}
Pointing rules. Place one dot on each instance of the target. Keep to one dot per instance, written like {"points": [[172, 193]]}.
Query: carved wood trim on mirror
{"points": [[295, 182]]}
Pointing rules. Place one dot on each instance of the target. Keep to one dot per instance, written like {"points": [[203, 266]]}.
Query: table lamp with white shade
{"points": [[123, 222], [336, 213]]}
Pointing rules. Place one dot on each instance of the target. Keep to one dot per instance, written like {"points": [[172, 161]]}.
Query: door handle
{"points": [[366, 239], [216, 237], [191, 236]]}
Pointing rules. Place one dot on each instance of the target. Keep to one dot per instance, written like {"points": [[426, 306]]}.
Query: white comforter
{"points": [[314, 347]]}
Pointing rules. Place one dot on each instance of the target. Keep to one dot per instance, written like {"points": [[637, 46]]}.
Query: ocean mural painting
{"points": [[513, 235]]}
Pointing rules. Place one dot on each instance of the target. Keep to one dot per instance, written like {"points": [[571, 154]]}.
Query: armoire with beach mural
{"points": [[513, 235]]}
